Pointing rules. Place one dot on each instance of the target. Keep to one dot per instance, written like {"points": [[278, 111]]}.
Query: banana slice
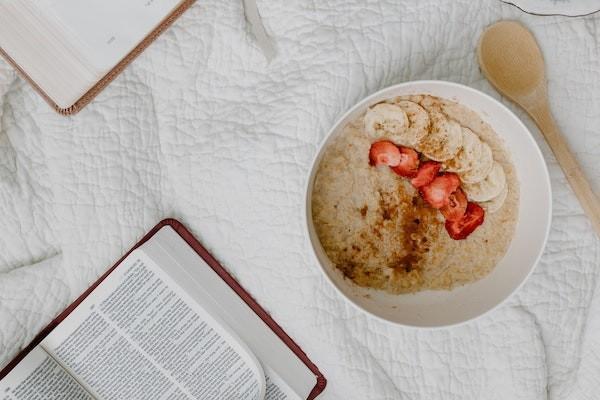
{"points": [[481, 168], [418, 123], [468, 155], [490, 187], [444, 139], [385, 121], [496, 203]]}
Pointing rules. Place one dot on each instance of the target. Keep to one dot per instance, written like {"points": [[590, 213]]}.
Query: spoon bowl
{"points": [[511, 59]]}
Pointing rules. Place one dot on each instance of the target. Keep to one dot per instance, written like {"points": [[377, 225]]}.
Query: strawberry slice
{"points": [[426, 173], [409, 162], [456, 207], [463, 227], [385, 153], [437, 192]]}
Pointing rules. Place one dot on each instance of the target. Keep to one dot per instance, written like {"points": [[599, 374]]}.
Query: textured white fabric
{"points": [[201, 128]]}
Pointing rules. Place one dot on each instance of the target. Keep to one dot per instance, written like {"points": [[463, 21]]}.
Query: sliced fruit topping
{"points": [[444, 139], [385, 120], [409, 162], [418, 124], [437, 192], [463, 227], [490, 187], [385, 153], [456, 207], [426, 173], [496, 203], [468, 156], [481, 167]]}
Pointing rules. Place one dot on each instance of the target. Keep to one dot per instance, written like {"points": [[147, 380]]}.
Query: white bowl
{"points": [[445, 308]]}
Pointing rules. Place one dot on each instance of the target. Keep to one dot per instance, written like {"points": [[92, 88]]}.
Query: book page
{"points": [[105, 31], [44, 52], [277, 389], [39, 377], [66, 46], [139, 336], [287, 376]]}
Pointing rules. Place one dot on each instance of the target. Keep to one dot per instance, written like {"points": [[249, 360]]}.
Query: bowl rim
{"points": [[366, 100], [557, 9]]}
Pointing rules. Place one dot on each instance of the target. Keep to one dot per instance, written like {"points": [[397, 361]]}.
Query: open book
{"points": [[166, 323], [71, 49]]}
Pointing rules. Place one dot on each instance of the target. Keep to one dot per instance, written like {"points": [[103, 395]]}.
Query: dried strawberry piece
{"points": [[385, 153], [456, 207], [463, 227], [426, 173], [409, 162], [437, 192]]}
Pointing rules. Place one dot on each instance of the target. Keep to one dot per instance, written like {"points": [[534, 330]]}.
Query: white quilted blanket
{"points": [[201, 128]]}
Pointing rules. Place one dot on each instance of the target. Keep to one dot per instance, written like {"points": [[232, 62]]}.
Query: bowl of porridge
{"points": [[428, 204]]}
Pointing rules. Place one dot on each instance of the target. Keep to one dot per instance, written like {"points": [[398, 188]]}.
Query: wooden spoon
{"points": [[512, 61]]}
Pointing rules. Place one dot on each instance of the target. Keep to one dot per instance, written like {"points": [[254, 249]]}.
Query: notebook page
{"points": [[287, 376], [39, 377], [109, 29], [138, 336]]}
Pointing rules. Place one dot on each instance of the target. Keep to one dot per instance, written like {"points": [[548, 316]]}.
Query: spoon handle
{"points": [[567, 161]]}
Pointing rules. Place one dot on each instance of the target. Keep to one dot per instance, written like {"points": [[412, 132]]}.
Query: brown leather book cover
{"points": [[186, 235], [113, 73]]}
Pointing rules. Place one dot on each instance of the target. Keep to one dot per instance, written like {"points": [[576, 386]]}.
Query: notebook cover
{"points": [[113, 73], [186, 235]]}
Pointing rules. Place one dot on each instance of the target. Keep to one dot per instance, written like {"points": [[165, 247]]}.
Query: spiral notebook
{"points": [[166, 322], [70, 50]]}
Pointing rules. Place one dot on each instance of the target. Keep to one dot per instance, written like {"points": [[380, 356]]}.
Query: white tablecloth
{"points": [[201, 128]]}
